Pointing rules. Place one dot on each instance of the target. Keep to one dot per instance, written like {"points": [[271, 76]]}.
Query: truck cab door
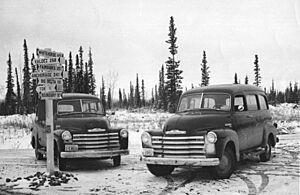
{"points": [[243, 122]]}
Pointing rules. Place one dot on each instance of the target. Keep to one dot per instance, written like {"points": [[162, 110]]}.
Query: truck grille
{"points": [[181, 146], [101, 141]]}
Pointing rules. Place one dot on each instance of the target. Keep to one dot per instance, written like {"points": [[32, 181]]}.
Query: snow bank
{"points": [[15, 129]]}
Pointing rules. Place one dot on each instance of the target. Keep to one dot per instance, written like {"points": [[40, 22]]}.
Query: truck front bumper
{"points": [[94, 154], [181, 161]]}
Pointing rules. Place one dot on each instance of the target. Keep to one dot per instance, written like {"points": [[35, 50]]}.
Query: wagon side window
{"points": [[262, 102], [251, 102], [239, 103]]}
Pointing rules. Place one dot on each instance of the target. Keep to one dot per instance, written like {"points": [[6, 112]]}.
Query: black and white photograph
{"points": [[153, 97]]}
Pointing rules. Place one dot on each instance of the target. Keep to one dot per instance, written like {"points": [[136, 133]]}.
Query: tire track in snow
{"points": [[171, 186], [251, 187]]}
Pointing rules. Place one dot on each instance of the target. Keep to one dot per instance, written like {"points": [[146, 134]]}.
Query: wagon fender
{"points": [[227, 136]]}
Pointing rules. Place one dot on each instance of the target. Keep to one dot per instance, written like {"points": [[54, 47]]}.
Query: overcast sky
{"points": [[128, 37]]}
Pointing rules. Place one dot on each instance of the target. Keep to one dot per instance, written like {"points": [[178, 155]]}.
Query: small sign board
{"points": [[51, 95], [49, 81], [50, 60], [52, 74], [49, 67], [49, 53], [49, 88]]}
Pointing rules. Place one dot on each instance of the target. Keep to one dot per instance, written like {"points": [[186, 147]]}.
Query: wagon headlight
{"points": [[146, 139], [66, 136], [211, 137], [124, 133]]}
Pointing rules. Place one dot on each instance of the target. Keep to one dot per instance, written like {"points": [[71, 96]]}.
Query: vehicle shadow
{"points": [[89, 164]]}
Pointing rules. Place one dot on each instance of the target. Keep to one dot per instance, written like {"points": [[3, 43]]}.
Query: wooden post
{"points": [[50, 137]]}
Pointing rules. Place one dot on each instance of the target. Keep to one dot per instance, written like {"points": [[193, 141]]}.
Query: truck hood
{"points": [[195, 124], [82, 124]]}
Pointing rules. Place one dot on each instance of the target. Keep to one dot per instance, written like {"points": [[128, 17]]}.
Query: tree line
{"points": [[80, 79], [164, 95]]}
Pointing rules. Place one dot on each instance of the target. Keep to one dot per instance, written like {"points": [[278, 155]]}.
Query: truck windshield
{"points": [[79, 106], [205, 101]]}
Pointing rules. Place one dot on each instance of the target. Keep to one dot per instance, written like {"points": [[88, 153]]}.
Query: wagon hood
{"points": [[194, 124], [82, 124]]}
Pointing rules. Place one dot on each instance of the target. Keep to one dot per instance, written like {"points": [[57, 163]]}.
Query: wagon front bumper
{"points": [[94, 154], [181, 161]]}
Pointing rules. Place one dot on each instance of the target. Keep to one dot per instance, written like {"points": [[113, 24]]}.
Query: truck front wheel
{"points": [[227, 165], [60, 162], [160, 170], [117, 161], [38, 155]]}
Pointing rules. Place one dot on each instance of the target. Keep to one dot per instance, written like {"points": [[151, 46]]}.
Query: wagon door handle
{"points": [[249, 116]]}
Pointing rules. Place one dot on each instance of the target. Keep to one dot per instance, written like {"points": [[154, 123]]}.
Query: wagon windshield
{"points": [[205, 101], [79, 106]]}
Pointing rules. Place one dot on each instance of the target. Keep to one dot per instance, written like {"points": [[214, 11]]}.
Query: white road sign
{"points": [[49, 60], [49, 67], [49, 81], [50, 95], [49, 53], [52, 74]]}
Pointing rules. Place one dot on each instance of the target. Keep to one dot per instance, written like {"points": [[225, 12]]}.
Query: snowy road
{"points": [[278, 176]]}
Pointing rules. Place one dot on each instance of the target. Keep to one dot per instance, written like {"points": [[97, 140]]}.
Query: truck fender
{"points": [[225, 137], [269, 130]]}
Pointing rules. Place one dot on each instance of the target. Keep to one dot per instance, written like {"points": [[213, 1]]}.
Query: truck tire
{"points": [[160, 170], [227, 165], [117, 161], [60, 162], [266, 156], [38, 155]]}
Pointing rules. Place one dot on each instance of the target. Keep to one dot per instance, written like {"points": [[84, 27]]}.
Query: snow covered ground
{"points": [[15, 129], [278, 176]]}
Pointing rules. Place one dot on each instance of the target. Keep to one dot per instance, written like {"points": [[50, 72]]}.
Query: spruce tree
{"points": [[246, 80], [34, 94], [137, 96], [143, 102], [235, 79], [109, 100], [65, 80], [92, 81], [102, 95], [70, 75], [10, 97], [86, 80], [18, 104], [26, 82], [173, 82], [204, 71], [125, 101], [81, 72], [131, 96], [257, 77], [161, 90], [120, 98], [78, 76]]}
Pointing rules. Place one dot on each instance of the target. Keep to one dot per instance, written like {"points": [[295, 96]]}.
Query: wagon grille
{"points": [[101, 141], [179, 146]]}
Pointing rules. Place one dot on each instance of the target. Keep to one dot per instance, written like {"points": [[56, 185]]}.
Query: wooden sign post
{"points": [[50, 136], [50, 73]]}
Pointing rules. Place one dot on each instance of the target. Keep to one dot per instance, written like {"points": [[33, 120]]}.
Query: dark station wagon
{"points": [[81, 130], [214, 127]]}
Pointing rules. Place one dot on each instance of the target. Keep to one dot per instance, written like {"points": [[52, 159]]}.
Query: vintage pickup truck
{"points": [[213, 126], [81, 130]]}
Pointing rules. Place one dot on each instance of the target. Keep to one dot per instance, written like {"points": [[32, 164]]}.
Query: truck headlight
{"points": [[146, 139], [66, 136], [211, 137], [124, 133]]}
